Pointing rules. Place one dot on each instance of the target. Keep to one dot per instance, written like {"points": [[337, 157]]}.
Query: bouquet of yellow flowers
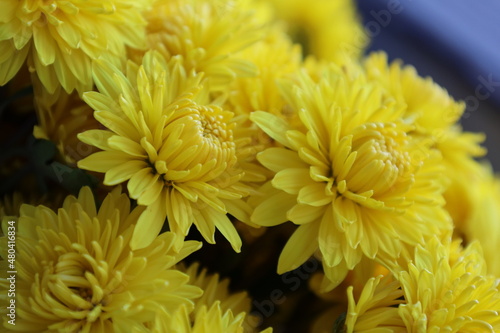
{"points": [[233, 166]]}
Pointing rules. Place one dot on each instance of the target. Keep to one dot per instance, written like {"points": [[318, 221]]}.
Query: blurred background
{"points": [[456, 42]]}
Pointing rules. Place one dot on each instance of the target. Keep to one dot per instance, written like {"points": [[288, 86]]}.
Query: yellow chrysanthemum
{"points": [[208, 34], [207, 320], [376, 309], [61, 121], [328, 29], [481, 216], [275, 57], [435, 118], [174, 148], [215, 291], [338, 299], [10, 204], [437, 110], [459, 150], [447, 289], [59, 39], [353, 178], [76, 271]]}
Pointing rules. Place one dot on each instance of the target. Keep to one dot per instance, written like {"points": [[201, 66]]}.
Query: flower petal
{"points": [[299, 247]]}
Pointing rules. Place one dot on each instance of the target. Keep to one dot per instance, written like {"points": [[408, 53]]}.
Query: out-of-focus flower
{"points": [[208, 319], [436, 111], [208, 34], [337, 300], [276, 58], [60, 121], [217, 297], [435, 118], [77, 272], [446, 288], [175, 150], [59, 39], [376, 308], [10, 205], [481, 216], [353, 178], [329, 30]]}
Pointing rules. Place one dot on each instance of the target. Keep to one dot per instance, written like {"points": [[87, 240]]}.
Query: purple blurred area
{"points": [[456, 42]]}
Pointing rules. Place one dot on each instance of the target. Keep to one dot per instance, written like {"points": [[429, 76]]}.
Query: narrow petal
{"points": [[148, 225], [272, 211], [273, 126], [299, 247], [314, 195], [302, 214], [277, 159], [329, 242], [291, 180], [102, 161]]}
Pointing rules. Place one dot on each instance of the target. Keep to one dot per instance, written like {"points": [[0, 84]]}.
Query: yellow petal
{"points": [[152, 192], [277, 159], [45, 45], [140, 181], [299, 247], [96, 138], [314, 195], [148, 225], [273, 126], [302, 214], [272, 211], [226, 228], [240, 209], [206, 228], [102, 161], [291, 180], [127, 145], [10, 67], [329, 242]]}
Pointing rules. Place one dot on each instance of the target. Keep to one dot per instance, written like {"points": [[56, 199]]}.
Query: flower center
{"points": [[382, 159], [198, 144]]}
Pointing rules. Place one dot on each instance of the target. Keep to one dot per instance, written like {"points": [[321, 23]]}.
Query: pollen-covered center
{"points": [[382, 159]]}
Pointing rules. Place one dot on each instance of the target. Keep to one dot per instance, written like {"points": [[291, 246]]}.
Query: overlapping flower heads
{"points": [[58, 40], [341, 183]]}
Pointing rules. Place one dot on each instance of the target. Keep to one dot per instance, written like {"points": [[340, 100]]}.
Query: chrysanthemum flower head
{"points": [[216, 294], [352, 177], [209, 34], [59, 39], [329, 30], [480, 217], [435, 118], [275, 57], [376, 308], [446, 289], [338, 300], [175, 150], [209, 319], [437, 110], [76, 271]]}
